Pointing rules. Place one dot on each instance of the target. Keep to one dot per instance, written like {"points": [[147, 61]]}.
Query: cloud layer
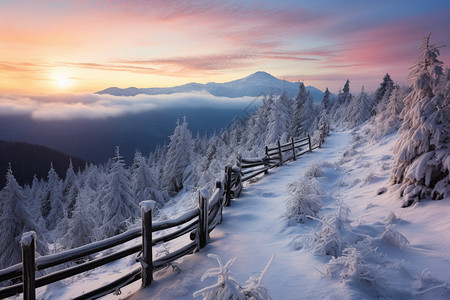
{"points": [[94, 106]]}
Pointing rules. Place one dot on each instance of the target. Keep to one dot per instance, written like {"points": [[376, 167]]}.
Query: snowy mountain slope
{"points": [[383, 251], [252, 85]]}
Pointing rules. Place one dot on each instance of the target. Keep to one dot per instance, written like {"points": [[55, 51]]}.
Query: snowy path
{"points": [[252, 230]]}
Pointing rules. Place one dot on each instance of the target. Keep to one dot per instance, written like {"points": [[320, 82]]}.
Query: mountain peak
{"points": [[261, 75]]}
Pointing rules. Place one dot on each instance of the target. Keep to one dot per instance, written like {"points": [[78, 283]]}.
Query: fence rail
{"points": [[198, 223]]}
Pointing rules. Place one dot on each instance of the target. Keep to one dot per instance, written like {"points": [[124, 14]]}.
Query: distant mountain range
{"points": [[27, 160], [253, 85]]}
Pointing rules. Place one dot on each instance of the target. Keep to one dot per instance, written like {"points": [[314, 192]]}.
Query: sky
{"points": [[56, 46]]}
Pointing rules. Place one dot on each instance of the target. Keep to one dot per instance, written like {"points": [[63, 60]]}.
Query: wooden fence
{"points": [[198, 223]]}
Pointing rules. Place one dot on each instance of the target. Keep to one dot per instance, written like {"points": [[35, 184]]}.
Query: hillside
{"points": [[253, 85], [382, 250], [28, 159]]}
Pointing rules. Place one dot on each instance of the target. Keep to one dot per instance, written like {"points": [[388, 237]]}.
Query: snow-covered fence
{"points": [[248, 168], [285, 152], [197, 222]]}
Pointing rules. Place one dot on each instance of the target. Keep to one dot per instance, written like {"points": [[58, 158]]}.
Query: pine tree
{"points": [[52, 206], [342, 109], [422, 154], [143, 181], [15, 220], [346, 96], [178, 158], [80, 228], [279, 119], [382, 94], [303, 117], [325, 107], [116, 199], [361, 109], [257, 126], [70, 189]]}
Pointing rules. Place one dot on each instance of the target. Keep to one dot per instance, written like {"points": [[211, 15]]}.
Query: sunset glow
{"points": [[166, 43]]}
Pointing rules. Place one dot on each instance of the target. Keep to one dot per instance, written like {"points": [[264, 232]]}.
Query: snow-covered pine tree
{"points": [[388, 119], [92, 177], [143, 182], [361, 109], [52, 206], [391, 115], [341, 109], [70, 189], [382, 94], [34, 196], [116, 199], [257, 126], [198, 147], [15, 220], [202, 167], [80, 228], [178, 158], [279, 119], [422, 154], [345, 97], [304, 115], [325, 108], [236, 134]]}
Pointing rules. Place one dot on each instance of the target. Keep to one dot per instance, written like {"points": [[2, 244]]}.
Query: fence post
{"points": [[293, 147], [266, 163], [28, 244], [228, 185], [221, 199], [239, 161], [147, 252], [203, 232], [279, 152], [309, 143], [267, 151]]}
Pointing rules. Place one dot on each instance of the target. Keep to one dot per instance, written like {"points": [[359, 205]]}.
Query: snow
{"points": [[27, 238], [148, 205], [381, 250]]}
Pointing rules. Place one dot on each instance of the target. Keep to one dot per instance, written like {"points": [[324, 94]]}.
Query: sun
{"points": [[63, 81]]}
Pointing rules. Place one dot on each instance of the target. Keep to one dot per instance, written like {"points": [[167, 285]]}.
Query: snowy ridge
{"points": [[209, 214]]}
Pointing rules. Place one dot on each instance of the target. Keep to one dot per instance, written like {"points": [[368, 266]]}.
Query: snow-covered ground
{"points": [[383, 251]]}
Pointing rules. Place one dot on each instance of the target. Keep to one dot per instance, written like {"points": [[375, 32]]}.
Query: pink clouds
{"points": [[391, 46], [146, 41]]}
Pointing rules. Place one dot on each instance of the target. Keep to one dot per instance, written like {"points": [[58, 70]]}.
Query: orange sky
{"points": [[56, 46]]}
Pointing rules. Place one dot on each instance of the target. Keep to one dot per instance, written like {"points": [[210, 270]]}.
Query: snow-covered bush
{"points": [[391, 218], [305, 194], [330, 236], [227, 288], [433, 288], [304, 200], [353, 268], [422, 153], [393, 237]]}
